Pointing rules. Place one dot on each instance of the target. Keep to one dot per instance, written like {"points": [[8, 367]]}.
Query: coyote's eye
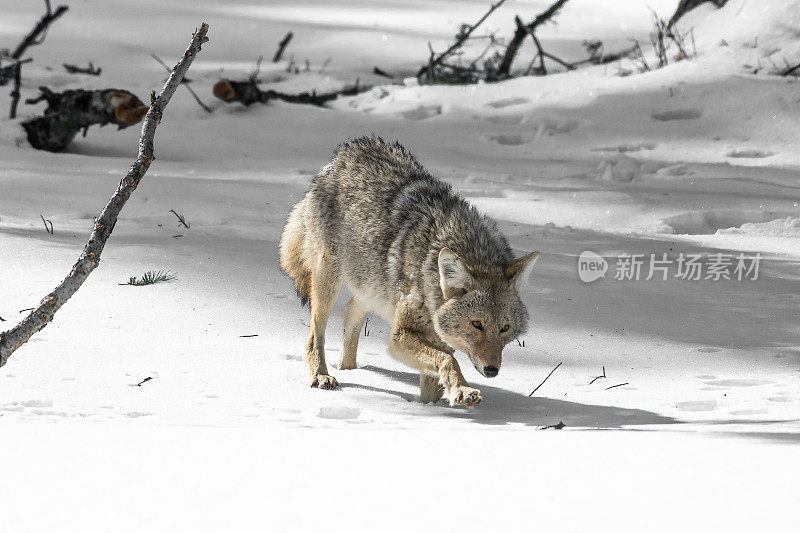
{"points": [[477, 324], [504, 328]]}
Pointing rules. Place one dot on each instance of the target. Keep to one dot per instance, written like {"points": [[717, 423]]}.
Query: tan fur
{"points": [[412, 251]]}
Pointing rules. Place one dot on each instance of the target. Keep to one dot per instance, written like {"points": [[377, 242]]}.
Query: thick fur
{"points": [[413, 251]]}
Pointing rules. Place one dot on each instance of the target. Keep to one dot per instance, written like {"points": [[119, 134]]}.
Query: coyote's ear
{"points": [[453, 275], [519, 270]]}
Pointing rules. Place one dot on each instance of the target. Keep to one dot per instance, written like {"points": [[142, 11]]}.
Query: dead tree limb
{"points": [[104, 224], [7, 72], [37, 34], [15, 91], [684, 6], [71, 111], [247, 92], [540, 51], [460, 40], [75, 69], [504, 69], [282, 47]]}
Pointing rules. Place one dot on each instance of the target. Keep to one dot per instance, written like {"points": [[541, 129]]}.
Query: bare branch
{"points": [[90, 70], [522, 30], [36, 36], [434, 61], [282, 47], [89, 259], [15, 94]]}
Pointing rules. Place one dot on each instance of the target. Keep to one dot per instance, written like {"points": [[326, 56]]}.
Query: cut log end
{"points": [[224, 90], [128, 109]]}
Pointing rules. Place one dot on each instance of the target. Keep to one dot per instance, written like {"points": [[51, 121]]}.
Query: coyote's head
{"points": [[481, 314]]}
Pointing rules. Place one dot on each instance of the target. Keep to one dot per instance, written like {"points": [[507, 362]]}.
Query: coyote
{"points": [[413, 251]]}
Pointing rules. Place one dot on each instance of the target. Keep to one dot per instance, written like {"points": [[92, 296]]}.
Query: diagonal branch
{"points": [[32, 38], [104, 224], [522, 30]]}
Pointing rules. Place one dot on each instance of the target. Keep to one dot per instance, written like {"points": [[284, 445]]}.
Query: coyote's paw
{"points": [[462, 395], [324, 381]]}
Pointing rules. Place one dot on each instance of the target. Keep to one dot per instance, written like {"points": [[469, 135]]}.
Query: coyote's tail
{"points": [[292, 257]]}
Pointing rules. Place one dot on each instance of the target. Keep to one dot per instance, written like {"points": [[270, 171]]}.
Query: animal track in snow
{"points": [[507, 102], [697, 405], [745, 153], [422, 112], [677, 114]]}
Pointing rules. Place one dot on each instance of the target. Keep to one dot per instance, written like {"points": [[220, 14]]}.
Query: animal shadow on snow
{"points": [[501, 406]]}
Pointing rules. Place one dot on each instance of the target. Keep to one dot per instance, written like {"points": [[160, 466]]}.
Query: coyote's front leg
{"points": [[409, 346]]}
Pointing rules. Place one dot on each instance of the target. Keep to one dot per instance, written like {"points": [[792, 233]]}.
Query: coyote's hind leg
{"points": [[354, 315], [325, 285]]}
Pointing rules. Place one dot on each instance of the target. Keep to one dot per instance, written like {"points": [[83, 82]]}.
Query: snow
{"points": [[700, 157]]}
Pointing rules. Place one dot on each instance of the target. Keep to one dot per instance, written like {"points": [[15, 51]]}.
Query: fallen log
{"points": [[71, 111], [247, 92]]}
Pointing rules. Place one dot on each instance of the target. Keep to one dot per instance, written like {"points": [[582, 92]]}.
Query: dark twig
{"points": [[28, 309], [560, 425], [75, 69], [15, 94], [545, 379], [2, 319], [181, 220], [282, 47], [89, 259], [789, 71], [366, 321], [50, 229], [185, 82], [615, 386], [38, 33], [462, 38], [248, 336], [599, 377], [380, 72], [145, 380]]}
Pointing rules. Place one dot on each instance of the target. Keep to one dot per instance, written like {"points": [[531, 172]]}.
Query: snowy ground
{"points": [[698, 158]]}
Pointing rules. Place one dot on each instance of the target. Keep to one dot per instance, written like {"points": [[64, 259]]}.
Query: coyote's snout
{"points": [[413, 251]]}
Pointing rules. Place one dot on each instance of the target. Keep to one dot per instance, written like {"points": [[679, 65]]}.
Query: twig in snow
{"points": [[545, 379], [47, 229], [75, 69], [366, 321], [145, 380], [181, 220], [247, 336], [12, 339], [560, 425], [619, 385], [282, 47], [521, 343], [186, 83], [599, 377], [380, 72], [2, 319], [28, 309]]}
